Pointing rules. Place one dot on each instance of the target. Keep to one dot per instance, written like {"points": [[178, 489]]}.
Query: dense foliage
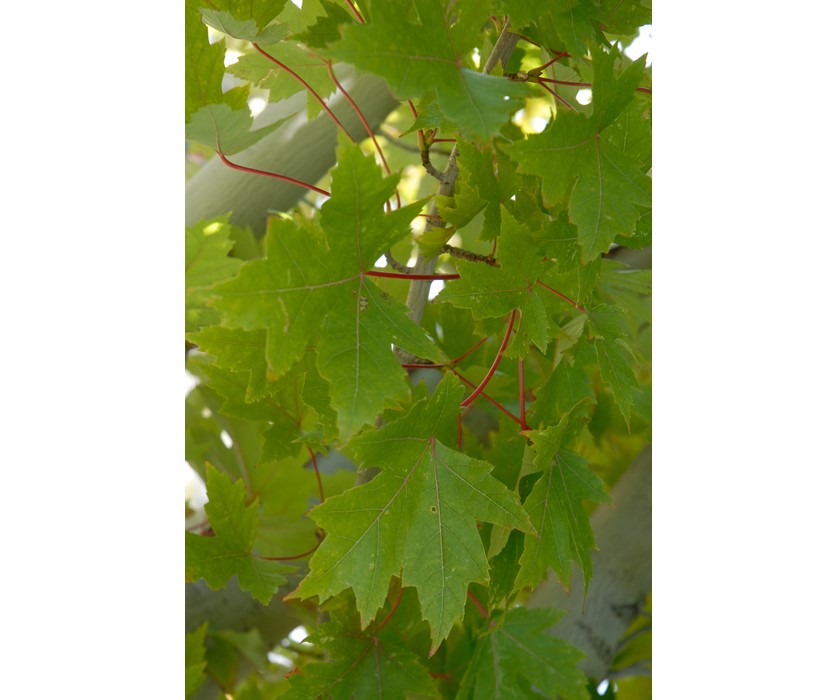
{"points": [[397, 477]]}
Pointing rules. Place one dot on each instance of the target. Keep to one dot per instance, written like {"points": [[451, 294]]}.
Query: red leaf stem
{"points": [[473, 599], [521, 401], [366, 124], [316, 472], [285, 178], [405, 276], [296, 556], [355, 11], [587, 85], [469, 351], [496, 362], [563, 54], [558, 97], [303, 82], [562, 296], [392, 610], [486, 396]]}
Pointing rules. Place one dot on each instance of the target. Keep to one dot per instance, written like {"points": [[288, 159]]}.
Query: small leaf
{"points": [[229, 553], [618, 374], [225, 130], [195, 662], [555, 505]]}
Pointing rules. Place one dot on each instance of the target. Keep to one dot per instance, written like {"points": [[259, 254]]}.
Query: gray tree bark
{"points": [[301, 149], [622, 573]]}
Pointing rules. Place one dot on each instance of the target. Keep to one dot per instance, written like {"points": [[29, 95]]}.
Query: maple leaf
{"points": [[195, 662], [428, 48], [361, 665], [204, 63], [606, 324], [225, 129], [479, 188], [243, 19], [492, 292], [229, 553], [583, 169], [555, 505], [415, 519], [281, 84], [312, 273], [207, 262], [517, 659]]}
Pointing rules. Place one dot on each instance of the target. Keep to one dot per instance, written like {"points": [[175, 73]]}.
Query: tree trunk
{"points": [[622, 573]]}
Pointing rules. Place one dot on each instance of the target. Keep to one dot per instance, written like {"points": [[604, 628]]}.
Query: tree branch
{"points": [[417, 295], [301, 149]]}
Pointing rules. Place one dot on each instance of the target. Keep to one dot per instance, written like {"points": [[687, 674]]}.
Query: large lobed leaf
{"points": [[426, 46], [416, 519], [584, 170], [312, 290]]}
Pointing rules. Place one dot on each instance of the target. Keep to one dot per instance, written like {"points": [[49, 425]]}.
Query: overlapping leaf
{"points": [[581, 168], [416, 519], [361, 665], [226, 130], [207, 262], [555, 506], [311, 290], [607, 328], [519, 660], [479, 187], [430, 49], [229, 553], [492, 292]]}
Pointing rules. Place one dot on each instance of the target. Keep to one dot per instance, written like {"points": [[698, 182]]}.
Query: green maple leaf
{"points": [[240, 351], [479, 188], [229, 553], [207, 262], [204, 63], [607, 327], [281, 84], [244, 19], [518, 660], [583, 169], [226, 130], [492, 292], [565, 387], [555, 505], [317, 25], [617, 373], [429, 48], [559, 24], [195, 662], [361, 665], [311, 290], [416, 519]]}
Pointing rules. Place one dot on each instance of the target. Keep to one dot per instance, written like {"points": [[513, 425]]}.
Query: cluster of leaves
{"points": [[442, 494]]}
